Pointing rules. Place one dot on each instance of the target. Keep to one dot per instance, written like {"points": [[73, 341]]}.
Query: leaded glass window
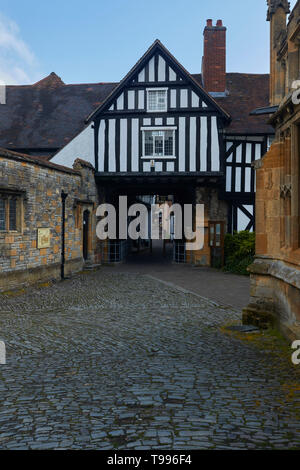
{"points": [[157, 100], [12, 214], [8, 213], [159, 143]]}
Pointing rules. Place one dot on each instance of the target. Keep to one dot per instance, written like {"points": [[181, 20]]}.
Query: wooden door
{"points": [[216, 242]]}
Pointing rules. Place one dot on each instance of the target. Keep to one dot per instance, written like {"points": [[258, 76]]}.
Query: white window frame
{"points": [[166, 101], [158, 157]]}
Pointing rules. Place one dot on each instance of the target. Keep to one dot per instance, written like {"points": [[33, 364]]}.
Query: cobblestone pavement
{"points": [[222, 287], [123, 361]]}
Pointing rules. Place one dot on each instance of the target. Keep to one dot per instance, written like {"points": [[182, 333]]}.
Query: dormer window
{"points": [[157, 100]]}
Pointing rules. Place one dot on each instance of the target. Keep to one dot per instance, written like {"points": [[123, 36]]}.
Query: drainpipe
{"points": [[63, 216]]}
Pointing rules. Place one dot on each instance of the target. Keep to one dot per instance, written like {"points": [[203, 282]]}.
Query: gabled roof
{"points": [[47, 115], [157, 47]]}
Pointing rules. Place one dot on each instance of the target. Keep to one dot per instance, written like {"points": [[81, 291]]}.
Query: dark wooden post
{"points": [[63, 216]]}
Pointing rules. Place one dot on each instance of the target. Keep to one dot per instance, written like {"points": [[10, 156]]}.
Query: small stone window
{"points": [[157, 100], [10, 207]]}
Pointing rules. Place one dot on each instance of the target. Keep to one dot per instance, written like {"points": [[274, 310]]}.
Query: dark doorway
{"points": [[85, 238]]}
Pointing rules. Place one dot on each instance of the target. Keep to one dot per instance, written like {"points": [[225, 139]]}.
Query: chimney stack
{"points": [[214, 58]]}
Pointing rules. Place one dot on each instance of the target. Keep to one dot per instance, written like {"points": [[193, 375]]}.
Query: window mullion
{"points": [[153, 145], [7, 214], [173, 143], [3, 210]]}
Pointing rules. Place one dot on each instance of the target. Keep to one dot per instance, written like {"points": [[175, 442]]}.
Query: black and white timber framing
{"points": [[114, 137]]}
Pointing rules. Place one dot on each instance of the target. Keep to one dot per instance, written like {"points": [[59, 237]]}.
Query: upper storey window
{"points": [[159, 143], [157, 100]]}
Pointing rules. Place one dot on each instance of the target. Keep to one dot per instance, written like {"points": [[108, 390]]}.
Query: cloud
{"points": [[17, 62]]}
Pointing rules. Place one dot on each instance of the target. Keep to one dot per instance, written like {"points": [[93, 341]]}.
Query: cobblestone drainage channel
{"points": [[243, 328]]}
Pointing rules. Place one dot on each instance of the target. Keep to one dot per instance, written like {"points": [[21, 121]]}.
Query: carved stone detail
{"points": [[275, 4], [285, 190]]}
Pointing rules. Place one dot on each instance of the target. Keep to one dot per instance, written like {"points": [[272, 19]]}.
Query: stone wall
{"points": [[38, 186], [275, 274], [275, 296]]}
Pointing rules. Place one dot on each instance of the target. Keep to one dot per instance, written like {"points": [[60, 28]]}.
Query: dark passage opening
{"points": [[85, 240]]}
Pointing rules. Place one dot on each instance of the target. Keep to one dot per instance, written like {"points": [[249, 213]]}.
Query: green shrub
{"points": [[239, 252]]}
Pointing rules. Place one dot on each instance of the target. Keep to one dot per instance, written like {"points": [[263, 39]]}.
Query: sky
{"points": [[100, 40]]}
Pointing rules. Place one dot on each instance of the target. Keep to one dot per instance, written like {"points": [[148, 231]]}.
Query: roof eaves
{"points": [[265, 110], [122, 82], [195, 82]]}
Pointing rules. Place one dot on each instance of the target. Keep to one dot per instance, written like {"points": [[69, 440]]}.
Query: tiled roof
{"points": [[246, 92], [47, 115]]}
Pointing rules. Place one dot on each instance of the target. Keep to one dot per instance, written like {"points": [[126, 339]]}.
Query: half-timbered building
{"points": [[162, 131]]}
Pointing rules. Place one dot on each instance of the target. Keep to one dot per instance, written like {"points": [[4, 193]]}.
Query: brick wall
{"points": [[214, 58]]}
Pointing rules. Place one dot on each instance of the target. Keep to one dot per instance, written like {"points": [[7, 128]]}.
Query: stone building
{"points": [[36, 242], [275, 273]]}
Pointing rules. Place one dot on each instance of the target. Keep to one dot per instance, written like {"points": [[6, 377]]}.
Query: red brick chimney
{"points": [[214, 58]]}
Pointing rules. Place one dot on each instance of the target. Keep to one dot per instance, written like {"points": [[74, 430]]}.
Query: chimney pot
{"points": [[220, 23], [209, 23]]}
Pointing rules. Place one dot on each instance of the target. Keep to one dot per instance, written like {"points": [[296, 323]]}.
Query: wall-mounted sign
{"points": [[43, 238]]}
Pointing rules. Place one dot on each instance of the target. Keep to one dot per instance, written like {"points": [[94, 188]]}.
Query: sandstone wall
{"points": [[215, 210], [275, 274]]}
